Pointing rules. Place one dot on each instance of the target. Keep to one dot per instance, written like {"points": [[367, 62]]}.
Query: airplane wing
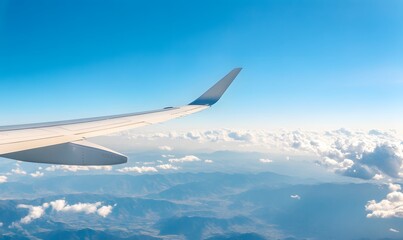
{"points": [[64, 142]]}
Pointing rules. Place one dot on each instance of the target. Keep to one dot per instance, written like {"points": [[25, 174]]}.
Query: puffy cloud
{"points": [[386, 157], [394, 187], [358, 170], [167, 167], [104, 211], [391, 206], [75, 168], [208, 161], [36, 212], [87, 208], [241, 136], [265, 160], [296, 196], [141, 169], [394, 230], [165, 148], [18, 171], [37, 174], [189, 158], [3, 179], [378, 177]]}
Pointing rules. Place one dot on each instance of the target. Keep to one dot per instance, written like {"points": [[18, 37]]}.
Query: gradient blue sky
{"points": [[307, 64]]}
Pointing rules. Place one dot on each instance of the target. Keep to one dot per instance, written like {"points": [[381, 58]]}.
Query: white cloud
{"points": [[208, 161], [18, 171], [1, 224], [360, 154], [75, 168], [378, 177], [104, 211], [394, 187], [141, 169], [394, 230], [36, 212], [265, 160], [390, 207], [165, 148], [87, 208], [37, 174], [3, 179], [167, 156], [167, 167], [296, 196], [189, 158]]}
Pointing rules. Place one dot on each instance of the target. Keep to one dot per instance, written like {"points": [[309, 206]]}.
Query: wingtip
{"points": [[211, 96]]}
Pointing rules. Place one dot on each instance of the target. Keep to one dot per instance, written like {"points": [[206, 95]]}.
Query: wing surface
{"points": [[33, 142]]}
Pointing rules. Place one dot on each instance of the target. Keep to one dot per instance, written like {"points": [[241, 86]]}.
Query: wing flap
{"points": [[75, 153]]}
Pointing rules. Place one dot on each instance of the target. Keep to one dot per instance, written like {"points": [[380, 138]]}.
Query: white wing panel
{"points": [[29, 138]]}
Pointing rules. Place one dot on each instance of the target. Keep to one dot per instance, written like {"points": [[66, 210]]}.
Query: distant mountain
{"points": [[87, 234], [195, 206], [197, 227], [238, 236]]}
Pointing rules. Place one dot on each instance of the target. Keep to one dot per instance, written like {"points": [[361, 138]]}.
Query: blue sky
{"points": [[307, 64]]}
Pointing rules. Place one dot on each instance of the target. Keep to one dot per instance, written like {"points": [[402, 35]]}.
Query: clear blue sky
{"points": [[306, 63]]}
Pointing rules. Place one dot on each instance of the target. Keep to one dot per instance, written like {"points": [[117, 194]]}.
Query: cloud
{"points": [[394, 230], [296, 196], [165, 148], [3, 179], [37, 174], [75, 168], [36, 212], [378, 177], [18, 171], [208, 161], [391, 206], [358, 154], [241, 136], [142, 169], [87, 208], [104, 211], [167, 167], [386, 157], [265, 160], [353, 153], [394, 187], [189, 158]]}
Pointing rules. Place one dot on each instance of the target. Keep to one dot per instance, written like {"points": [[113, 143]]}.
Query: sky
{"points": [[307, 64], [319, 98]]}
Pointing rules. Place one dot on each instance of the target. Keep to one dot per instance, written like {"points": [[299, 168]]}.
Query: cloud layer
{"points": [[370, 154]]}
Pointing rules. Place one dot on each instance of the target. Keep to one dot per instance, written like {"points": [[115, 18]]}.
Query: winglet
{"points": [[215, 92]]}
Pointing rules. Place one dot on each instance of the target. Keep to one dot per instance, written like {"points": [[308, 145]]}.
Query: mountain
{"points": [[196, 206]]}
